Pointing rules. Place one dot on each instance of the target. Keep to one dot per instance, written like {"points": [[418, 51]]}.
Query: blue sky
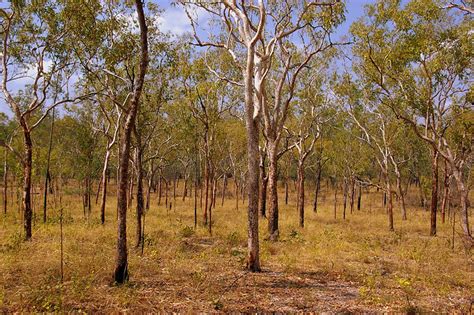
{"points": [[174, 20]]}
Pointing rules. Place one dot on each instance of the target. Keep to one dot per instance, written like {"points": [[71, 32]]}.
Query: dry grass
{"points": [[354, 265]]}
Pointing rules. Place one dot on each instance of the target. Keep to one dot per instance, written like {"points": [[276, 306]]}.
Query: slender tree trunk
{"points": [[206, 189], [301, 178], [27, 167], [175, 180], [121, 264], [317, 188], [214, 193], [195, 200], [390, 203], [236, 194], [434, 192], [104, 187], [224, 186], [185, 189], [151, 174], [273, 193], [160, 188], [344, 192], [359, 198], [335, 200], [47, 174], [166, 192], [5, 182], [446, 192], [140, 203], [352, 194], [263, 187], [402, 196]]}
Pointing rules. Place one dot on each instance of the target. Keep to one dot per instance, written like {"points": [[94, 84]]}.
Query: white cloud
{"points": [[176, 22]]}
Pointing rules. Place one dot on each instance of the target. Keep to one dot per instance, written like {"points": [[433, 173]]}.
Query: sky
{"points": [[175, 21]]}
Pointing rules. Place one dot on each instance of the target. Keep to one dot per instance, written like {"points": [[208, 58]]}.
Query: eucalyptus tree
{"points": [[376, 125], [417, 59], [252, 33], [121, 267], [304, 135], [208, 101], [33, 51]]}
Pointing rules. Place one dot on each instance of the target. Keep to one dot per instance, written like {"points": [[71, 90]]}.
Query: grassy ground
{"points": [[352, 265]]}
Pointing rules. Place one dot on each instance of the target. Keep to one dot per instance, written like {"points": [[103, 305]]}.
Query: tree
{"points": [[31, 49], [121, 264], [416, 58]]}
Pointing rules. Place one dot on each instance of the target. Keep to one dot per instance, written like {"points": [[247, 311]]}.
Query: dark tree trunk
{"points": [[344, 192], [301, 178], [224, 187], [5, 182], [206, 189], [166, 192], [263, 187], [175, 181], [236, 194], [388, 193], [352, 194], [160, 188], [185, 189], [47, 176], [27, 167], [273, 194], [359, 198], [335, 199], [149, 185], [195, 201], [140, 200], [317, 188], [434, 192], [131, 189], [402, 197], [121, 264]]}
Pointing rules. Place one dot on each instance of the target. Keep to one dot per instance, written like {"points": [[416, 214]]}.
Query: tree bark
{"points": [[185, 188], [251, 122], [5, 182], [352, 194], [446, 192], [160, 188], [121, 264], [27, 167], [273, 193], [402, 197], [388, 193], [47, 174], [344, 192], [224, 187], [104, 187], [301, 179], [359, 197], [317, 188], [434, 192], [464, 211], [263, 187], [140, 202]]}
